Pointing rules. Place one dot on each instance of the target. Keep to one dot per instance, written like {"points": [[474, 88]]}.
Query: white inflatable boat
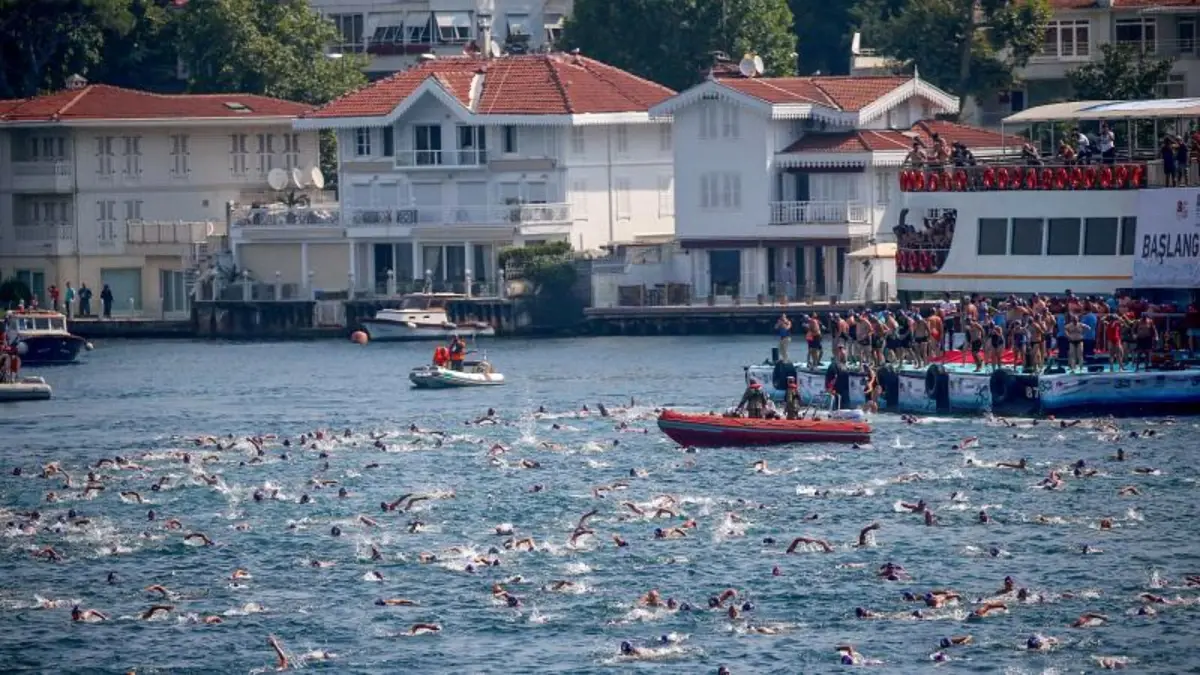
{"points": [[473, 374], [29, 388]]}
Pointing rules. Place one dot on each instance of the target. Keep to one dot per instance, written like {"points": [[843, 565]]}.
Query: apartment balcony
{"points": [[819, 213], [43, 239], [441, 159], [397, 221], [167, 238], [43, 177]]}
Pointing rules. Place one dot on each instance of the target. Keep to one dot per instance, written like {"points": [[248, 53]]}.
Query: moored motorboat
{"points": [[473, 374], [27, 388], [41, 337], [422, 316], [716, 431]]}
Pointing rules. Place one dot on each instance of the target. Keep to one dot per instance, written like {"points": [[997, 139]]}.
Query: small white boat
{"points": [[422, 316], [28, 388], [40, 336], [473, 374]]}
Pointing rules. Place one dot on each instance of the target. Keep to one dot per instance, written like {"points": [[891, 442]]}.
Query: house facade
{"points": [[443, 165], [103, 185], [393, 34], [783, 185]]}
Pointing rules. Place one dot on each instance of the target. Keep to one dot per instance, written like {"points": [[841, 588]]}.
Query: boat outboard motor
{"points": [[781, 373]]}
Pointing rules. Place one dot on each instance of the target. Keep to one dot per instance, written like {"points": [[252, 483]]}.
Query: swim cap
{"points": [[1034, 642], [626, 647], [847, 660], [945, 643]]}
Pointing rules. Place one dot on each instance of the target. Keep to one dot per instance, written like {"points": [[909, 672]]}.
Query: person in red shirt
{"points": [[1113, 327], [54, 294]]}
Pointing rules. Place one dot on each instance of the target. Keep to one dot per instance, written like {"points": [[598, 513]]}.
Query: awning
{"points": [[383, 20], [1170, 108], [453, 19], [518, 24], [874, 251]]}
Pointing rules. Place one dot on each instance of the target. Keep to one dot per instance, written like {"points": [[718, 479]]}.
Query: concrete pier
{"points": [[727, 319], [107, 329]]}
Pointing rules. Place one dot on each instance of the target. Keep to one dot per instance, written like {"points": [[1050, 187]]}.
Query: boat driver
{"points": [[754, 401], [458, 352]]}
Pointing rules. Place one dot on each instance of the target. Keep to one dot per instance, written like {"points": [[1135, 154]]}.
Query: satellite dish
{"points": [[746, 66], [277, 179], [316, 178], [297, 177], [759, 68]]}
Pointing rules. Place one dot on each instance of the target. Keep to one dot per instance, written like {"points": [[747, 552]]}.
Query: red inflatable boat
{"points": [[717, 431]]}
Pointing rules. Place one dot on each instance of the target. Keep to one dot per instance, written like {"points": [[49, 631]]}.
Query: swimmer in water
{"points": [[199, 536], [989, 607], [865, 532], [87, 615], [396, 602], [283, 663], [154, 609], [1023, 464], [1089, 620], [824, 545], [424, 628]]}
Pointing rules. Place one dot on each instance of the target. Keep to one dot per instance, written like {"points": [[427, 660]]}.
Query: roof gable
{"points": [[894, 140], [843, 101], [528, 85], [102, 102]]}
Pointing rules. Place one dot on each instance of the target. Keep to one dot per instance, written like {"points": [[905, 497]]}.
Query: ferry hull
{"points": [[909, 390], [1149, 391], [716, 431]]}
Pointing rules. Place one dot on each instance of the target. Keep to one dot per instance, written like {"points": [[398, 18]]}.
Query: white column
{"points": [[698, 289], [495, 275], [418, 272], [350, 278], [810, 269], [469, 264], [832, 283], [304, 267]]}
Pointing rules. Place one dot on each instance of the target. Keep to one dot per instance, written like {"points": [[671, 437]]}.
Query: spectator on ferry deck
{"points": [[1181, 162], [1083, 146], [1090, 320], [1066, 154], [1030, 155], [1167, 152], [1107, 144], [916, 157]]}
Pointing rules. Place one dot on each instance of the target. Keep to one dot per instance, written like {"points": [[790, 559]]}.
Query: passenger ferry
{"points": [[1121, 220], [41, 336]]}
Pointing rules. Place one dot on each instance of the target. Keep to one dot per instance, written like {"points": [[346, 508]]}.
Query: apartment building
{"points": [[104, 185], [394, 33], [443, 165]]}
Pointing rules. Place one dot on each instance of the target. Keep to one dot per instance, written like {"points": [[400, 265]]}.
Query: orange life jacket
{"points": [[458, 351], [441, 355]]}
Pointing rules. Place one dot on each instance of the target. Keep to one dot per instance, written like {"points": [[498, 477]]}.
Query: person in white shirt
{"points": [[1108, 144], [1083, 147]]}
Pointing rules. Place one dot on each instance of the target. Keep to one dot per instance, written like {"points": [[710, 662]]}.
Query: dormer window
{"points": [[237, 107]]}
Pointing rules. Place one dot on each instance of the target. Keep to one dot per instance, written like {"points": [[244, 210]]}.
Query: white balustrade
{"points": [[791, 213]]}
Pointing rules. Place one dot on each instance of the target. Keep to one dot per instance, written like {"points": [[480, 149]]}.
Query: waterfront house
{"points": [[785, 186], [393, 34], [104, 185], [443, 165]]}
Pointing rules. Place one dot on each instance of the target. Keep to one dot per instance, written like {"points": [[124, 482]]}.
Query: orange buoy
{"points": [[358, 337]]}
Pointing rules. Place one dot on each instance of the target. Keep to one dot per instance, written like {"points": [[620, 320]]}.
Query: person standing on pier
{"points": [[106, 301], [69, 296], [85, 300], [54, 296], [783, 328]]}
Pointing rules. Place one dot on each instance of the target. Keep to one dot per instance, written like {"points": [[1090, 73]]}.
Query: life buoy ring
{"points": [[1002, 179], [918, 181], [1060, 178], [899, 258], [1122, 177], [1031, 179], [989, 178], [1135, 178], [1047, 181], [1106, 178], [926, 262], [1089, 177], [960, 180], [1017, 179], [932, 375], [931, 182], [912, 261], [1077, 178], [939, 259], [945, 181], [905, 180]]}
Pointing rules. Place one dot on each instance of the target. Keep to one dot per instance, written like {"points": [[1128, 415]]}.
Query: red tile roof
{"points": [[536, 84], [884, 140], [841, 93], [105, 102]]}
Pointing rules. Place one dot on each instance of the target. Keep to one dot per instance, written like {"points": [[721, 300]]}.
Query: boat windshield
{"points": [[423, 303], [28, 323]]}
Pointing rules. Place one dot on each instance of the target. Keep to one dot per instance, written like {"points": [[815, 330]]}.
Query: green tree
{"points": [[42, 42], [1123, 72], [823, 32], [671, 41], [969, 47]]}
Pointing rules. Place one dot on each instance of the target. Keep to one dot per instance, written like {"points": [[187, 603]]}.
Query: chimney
{"points": [[485, 33], [76, 81]]}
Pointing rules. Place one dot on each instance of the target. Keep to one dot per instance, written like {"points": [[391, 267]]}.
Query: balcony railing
{"points": [[169, 232], [41, 168], [44, 232], [791, 213], [1013, 177], [435, 159], [331, 215]]}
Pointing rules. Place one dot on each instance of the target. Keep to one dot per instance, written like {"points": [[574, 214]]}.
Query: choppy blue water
{"points": [[145, 400]]}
